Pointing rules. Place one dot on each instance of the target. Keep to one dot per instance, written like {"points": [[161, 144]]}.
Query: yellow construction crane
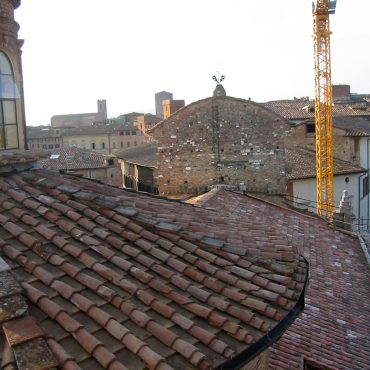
{"points": [[323, 107]]}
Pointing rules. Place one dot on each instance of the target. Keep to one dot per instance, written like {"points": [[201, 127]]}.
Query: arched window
{"points": [[8, 114]]}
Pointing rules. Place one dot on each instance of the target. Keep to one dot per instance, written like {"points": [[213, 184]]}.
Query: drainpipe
{"points": [[367, 168], [359, 198]]}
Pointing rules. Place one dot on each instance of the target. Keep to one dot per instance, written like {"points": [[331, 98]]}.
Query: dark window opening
{"points": [[222, 180], [310, 128], [311, 365], [365, 186], [110, 162]]}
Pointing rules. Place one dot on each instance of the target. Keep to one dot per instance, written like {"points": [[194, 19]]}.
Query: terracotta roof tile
{"points": [[133, 269], [21, 330]]}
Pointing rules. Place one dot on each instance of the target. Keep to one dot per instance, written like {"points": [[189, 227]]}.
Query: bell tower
{"points": [[12, 112]]}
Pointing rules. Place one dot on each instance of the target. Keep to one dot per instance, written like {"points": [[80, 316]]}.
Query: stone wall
{"points": [[221, 140], [343, 146]]}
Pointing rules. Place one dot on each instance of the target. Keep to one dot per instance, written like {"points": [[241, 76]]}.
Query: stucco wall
{"points": [[306, 189]]}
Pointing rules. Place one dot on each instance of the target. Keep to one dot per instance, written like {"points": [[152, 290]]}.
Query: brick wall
{"points": [[341, 91], [221, 140], [343, 146]]}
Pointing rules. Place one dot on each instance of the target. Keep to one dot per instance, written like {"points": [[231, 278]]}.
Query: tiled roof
{"points": [[123, 280], [73, 159], [143, 155], [303, 109], [353, 126], [301, 164], [98, 129], [40, 132], [13, 161], [334, 329]]}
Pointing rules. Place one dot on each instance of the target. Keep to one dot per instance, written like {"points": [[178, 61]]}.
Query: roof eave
{"points": [[273, 335]]}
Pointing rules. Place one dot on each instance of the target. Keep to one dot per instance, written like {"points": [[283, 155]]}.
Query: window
{"points": [[365, 186], [128, 144], [135, 143], [127, 132], [92, 145], [114, 145], [310, 128], [103, 145], [8, 96], [121, 144], [133, 132]]}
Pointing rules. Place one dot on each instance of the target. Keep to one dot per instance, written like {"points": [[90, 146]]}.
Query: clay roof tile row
{"points": [[88, 255]]}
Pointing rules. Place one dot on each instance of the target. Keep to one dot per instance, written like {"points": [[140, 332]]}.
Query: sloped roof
{"points": [[353, 126], [300, 109], [123, 280], [143, 155], [334, 329], [40, 132], [73, 159], [301, 164], [98, 129]]}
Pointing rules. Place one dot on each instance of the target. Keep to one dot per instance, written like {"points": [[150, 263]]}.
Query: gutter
{"points": [[272, 336]]}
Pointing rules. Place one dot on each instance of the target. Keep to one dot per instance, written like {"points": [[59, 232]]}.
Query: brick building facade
{"points": [[221, 140]]}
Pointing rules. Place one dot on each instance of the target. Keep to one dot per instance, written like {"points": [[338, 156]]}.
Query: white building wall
{"points": [[364, 149], [364, 152], [304, 193]]}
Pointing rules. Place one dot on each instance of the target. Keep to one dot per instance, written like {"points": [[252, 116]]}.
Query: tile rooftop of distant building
{"points": [[73, 159], [99, 129], [122, 280], [304, 109], [301, 164], [143, 155], [334, 330], [353, 126]]}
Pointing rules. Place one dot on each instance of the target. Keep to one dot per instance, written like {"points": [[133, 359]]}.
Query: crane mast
{"points": [[323, 108]]}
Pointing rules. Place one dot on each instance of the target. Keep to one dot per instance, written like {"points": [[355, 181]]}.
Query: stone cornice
{"points": [[15, 3]]}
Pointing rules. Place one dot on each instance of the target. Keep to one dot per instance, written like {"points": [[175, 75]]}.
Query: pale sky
{"points": [[124, 51]]}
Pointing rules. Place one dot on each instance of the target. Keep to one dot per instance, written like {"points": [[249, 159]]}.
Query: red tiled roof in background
{"points": [[74, 159], [303, 109], [334, 329], [301, 164], [120, 280]]}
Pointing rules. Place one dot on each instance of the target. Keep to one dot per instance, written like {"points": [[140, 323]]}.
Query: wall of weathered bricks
{"points": [[221, 140], [343, 146]]}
